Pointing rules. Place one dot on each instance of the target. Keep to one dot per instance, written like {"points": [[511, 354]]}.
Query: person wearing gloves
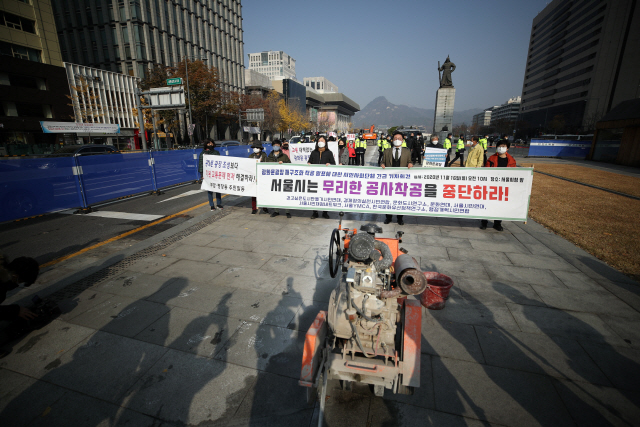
{"points": [[476, 155], [258, 153], [277, 156], [396, 157], [501, 159], [321, 156]]}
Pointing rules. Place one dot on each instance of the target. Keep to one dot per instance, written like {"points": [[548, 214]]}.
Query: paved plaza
{"points": [[204, 324]]}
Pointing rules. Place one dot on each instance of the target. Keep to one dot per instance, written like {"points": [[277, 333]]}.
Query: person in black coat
{"points": [[321, 156]]}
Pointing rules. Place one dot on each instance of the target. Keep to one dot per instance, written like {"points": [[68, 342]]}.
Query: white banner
{"points": [[74, 127], [434, 157], [229, 175], [299, 153], [484, 193], [351, 137]]}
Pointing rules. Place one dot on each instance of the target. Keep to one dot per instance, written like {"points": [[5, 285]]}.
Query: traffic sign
{"points": [[174, 81]]}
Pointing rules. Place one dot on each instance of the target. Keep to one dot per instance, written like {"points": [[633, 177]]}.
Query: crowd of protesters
{"points": [[397, 151]]}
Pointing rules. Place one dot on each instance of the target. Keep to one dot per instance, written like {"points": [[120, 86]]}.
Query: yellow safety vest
{"points": [[447, 143], [380, 144], [460, 144], [386, 144], [483, 143]]}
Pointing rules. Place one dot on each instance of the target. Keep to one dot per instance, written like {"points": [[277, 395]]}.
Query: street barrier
{"points": [[559, 148]]}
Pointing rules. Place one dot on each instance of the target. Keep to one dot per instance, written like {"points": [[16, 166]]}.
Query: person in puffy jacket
{"points": [[210, 149], [321, 156], [501, 159]]}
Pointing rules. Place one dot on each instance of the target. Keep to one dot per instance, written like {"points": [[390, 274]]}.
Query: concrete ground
{"points": [[203, 324]]}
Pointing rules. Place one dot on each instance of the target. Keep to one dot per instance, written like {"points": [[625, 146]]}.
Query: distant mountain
{"points": [[382, 112]]}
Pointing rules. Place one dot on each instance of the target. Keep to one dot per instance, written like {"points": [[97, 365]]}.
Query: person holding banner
{"points": [[501, 159], [209, 148], [476, 155], [351, 146], [321, 156], [285, 148], [396, 157], [277, 156], [259, 154], [435, 143]]}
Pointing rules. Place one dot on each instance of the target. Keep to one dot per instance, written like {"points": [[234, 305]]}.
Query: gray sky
{"points": [[370, 48]]}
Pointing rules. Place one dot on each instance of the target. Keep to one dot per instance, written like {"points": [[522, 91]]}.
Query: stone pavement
{"points": [[204, 325]]}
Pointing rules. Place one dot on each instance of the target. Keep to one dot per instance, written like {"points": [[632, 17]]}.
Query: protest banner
{"points": [[434, 157], [484, 193], [235, 175], [351, 137], [299, 153]]}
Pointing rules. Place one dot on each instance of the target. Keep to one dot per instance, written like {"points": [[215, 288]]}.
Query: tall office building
{"points": [[128, 37], [507, 111], [273, 64], [33, 84], [582, 61]]}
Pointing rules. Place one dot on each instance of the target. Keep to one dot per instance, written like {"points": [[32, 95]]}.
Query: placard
{"points": [[484, 193], [434, 157], [229, 175], [299, 153]]}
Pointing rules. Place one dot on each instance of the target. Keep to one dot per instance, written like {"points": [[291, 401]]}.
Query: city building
{"points": [[293, 93], [273, 64], [330, 111], [33, 84], [129, 37], [320, 84], [256, 83], [484, 118], [113, 96], [507, 111], [582, 61]]}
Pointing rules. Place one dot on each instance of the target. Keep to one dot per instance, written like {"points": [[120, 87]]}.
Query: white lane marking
{"points": [[188, 193], [124, 215]]}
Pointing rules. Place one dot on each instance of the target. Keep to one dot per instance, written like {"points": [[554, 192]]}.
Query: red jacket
{"points": [[492, 162], [351, 147]]}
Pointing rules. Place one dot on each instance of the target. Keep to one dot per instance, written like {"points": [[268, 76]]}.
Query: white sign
{"points": [[483, 193], [332, 134], [251, 129], [75, 127], [434, 157], [351, 137], [229, 175], [299, 153], [166, 98]]}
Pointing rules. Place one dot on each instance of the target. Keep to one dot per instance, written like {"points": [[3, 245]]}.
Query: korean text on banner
{"points": [[351, 137], [299, 153], [229, 175], [434, 157], [484, 193]]}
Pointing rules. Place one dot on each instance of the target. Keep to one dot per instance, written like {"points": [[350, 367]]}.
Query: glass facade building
{"points": [[128, 37]]}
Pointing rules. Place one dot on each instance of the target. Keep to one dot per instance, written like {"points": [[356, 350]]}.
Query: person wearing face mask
{"points": [[343, 153], [361, 148], [277, 156], [21, 272], [459, 151], [351, 147], [396, 157], [321, 156], [285, 148], [476, 155], [210, 149], [435, 143], [501, 159], [259, 154]]}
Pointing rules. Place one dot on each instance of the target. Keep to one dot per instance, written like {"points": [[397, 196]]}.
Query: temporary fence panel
{"points": [[30, 187], [559, 148], [109, 176], [175, 166]]}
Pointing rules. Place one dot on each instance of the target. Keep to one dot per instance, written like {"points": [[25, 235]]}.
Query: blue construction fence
{"points": [[31, 186], [559, 148]]}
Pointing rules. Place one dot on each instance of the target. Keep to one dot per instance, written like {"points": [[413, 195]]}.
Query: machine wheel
{"points": [[335, 253]]}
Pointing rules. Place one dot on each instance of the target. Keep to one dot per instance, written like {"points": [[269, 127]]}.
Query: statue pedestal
{"points": [[443, 117]]}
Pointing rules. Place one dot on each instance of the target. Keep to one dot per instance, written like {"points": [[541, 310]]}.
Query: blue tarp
{"points": [[559, 148]]}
